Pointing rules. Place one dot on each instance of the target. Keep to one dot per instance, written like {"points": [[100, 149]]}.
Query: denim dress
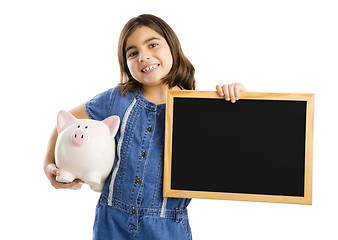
{"points": [[131, 205]]}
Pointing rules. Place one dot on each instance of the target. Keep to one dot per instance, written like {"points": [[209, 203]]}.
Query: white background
{"points": [[58, 54]]}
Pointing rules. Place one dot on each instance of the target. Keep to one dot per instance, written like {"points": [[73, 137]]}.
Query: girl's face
{"points": [[148, 56]]}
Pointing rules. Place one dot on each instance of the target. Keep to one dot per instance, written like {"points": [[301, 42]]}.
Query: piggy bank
{"points": [[85, 149]]}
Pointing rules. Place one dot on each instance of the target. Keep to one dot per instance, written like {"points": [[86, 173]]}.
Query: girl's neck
{"points": [[156, 94]]}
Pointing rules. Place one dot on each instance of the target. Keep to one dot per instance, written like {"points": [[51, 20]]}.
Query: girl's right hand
{"points": [[52, 171]]}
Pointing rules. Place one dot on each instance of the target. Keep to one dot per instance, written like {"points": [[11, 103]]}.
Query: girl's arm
{"points": [[230, 91], [49, 166]]}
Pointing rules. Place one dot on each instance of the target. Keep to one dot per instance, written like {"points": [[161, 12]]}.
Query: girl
{"points": [[131, 205]]}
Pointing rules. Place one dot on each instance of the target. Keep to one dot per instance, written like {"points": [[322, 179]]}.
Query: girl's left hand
{"points": [[230, 91]]}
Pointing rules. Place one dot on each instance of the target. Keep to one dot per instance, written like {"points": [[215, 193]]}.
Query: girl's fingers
{"points": [[226, 92], [237, 90], [219, 90], [53, 169], [232, 92]]}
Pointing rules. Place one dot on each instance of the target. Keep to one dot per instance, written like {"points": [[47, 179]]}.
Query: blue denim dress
{"points": [[132, 205]]}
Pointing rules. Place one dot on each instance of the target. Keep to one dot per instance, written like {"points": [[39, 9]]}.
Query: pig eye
{"points": [[86, 126], [78, 126]]}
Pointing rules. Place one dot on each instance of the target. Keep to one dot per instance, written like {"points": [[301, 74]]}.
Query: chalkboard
{"points": [[257, 149]]}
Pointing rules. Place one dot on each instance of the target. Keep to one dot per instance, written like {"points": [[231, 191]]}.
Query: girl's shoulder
{"points": [[107, 103], [113, 92]]}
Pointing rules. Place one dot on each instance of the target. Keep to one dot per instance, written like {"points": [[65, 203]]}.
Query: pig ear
{"points": [[63, 119], [112, 123]]}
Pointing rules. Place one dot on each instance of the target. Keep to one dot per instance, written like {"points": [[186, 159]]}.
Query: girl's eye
{"points": [[133, 54], [153, 45]]}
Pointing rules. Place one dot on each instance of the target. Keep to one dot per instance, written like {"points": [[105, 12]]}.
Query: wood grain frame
{"points": [[307, 199]]}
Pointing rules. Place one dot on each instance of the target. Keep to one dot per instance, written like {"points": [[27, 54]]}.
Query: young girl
{"points": [[131, 205]]}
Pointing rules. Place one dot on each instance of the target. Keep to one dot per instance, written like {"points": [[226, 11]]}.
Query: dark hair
{"points": [[182, 71]]}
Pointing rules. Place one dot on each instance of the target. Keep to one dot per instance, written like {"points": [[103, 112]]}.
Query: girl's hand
{"points": [[52, 171], [230, 91]]}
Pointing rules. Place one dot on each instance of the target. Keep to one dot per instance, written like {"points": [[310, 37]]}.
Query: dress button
{"points": [[133, 211], [138, 180], [143, 154], [150, 129]]}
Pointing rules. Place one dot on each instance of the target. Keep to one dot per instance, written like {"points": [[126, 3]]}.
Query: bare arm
{"points": [[49, 167]]}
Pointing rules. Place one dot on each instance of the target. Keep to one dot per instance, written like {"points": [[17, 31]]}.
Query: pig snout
{"points": [[79, 138]]}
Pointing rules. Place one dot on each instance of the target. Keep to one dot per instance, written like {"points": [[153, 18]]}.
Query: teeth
{"points": [[149, 68]]}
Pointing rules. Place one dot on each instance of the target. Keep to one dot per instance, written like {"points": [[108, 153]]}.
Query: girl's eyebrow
{"points": [[144, 43]]}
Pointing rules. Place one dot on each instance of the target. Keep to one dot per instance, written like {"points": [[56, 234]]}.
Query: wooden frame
{"points": [[169, 192]]}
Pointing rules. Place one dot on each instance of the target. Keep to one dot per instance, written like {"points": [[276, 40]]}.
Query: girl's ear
{"points": [[112, 123], [63, 119]]}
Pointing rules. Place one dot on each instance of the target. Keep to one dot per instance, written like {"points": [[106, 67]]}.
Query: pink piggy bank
{"points": [[85, 149]]}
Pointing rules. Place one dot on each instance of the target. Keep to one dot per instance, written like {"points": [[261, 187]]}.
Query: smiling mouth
{"points": [[150, 68]]}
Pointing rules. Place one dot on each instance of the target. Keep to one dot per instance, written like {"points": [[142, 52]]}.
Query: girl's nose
{"points": [[143, 56]]}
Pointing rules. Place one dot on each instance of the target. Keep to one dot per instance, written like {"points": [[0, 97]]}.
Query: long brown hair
{"points": [[182, 71]]}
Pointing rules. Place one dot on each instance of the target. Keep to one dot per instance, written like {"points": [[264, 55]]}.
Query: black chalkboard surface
{"points": [[258, 149]]}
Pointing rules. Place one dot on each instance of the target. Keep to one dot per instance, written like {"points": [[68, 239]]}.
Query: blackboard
{"points": [[258, 149]]}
